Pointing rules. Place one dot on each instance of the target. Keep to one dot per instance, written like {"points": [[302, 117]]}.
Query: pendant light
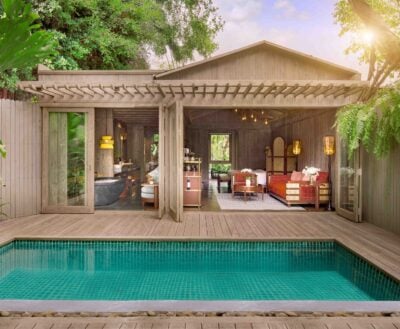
{"points": [[106, 141]]}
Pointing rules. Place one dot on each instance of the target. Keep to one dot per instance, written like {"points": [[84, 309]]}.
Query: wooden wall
{"points": [[263, 62], [249, 140], [21, 132], [104, 159], [381, 190], [310, 127]]}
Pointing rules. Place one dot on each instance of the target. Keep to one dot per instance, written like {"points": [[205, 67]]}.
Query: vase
{"points": [[248, 182], [313, 179]]}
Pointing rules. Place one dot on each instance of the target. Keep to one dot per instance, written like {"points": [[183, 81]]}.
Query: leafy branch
{"points": [[375, 124], [22, 44]]}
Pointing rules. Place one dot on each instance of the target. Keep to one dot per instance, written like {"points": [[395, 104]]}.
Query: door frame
{"points": [[356, 214], [173, 152], [58, 209]]}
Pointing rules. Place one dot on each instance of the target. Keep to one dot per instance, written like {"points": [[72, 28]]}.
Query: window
{"points": [[220, 153]]}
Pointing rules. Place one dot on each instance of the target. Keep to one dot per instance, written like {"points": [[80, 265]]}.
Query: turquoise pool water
{"points": [[138, 270]]}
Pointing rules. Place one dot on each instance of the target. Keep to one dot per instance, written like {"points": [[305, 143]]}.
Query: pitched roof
{"points": [[254, 45]]}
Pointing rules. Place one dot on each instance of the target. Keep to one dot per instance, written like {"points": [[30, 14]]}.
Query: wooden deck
{"points": [[202, 323], [375, 244]]}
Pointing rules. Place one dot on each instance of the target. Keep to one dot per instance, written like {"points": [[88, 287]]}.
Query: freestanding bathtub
{"points": [[107, 190]]}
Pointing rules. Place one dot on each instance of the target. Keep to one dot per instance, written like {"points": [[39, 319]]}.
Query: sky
{"points": [[304, 25]]}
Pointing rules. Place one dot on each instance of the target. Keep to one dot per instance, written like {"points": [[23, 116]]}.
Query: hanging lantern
{"points": [[329, 145], [255, 119], [266, 122], [106, 143], [296, 146]]}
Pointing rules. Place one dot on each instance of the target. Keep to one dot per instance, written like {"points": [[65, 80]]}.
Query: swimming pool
{"points": [[189, 270]]}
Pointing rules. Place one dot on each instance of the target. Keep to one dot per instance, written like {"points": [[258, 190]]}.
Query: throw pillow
{"points": [[296, 176]]}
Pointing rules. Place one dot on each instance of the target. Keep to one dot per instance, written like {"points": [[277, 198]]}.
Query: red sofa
{"points": [[293, 192]]}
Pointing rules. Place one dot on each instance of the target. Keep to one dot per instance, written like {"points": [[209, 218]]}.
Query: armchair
{"points": [[239, 179]]}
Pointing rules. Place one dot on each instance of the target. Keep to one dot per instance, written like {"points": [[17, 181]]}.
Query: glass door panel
{"points": [[348, 184], [67, 163]]}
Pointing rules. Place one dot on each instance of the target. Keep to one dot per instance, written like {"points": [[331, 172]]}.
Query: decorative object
{"points": [[311, 173], [252, 115], [106, 142], [192, 184], [329, 150], [248, 181], [296, 149]]}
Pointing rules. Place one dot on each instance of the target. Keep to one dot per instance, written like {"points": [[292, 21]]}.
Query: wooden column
{"points": [[104, 159], [136, 147]]}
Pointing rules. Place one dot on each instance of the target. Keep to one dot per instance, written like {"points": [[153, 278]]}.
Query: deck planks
{"points": [[373, 243]]}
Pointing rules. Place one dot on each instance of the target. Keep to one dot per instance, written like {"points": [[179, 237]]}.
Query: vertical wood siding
{"points": [[310, 129], [381, 190], [20, 130]]}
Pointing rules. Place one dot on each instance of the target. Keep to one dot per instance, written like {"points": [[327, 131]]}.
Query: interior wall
{"points": [[21, 170], [104, 159], [381, 190], [249, 140], [135, 146], [310, 127]]}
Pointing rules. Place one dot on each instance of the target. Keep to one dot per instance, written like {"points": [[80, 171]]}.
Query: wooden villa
{"points": [[95, 134]]}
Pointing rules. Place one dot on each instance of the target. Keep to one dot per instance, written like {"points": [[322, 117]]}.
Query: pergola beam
{"points": [[269, 89], [258, 89], [162, 92]]}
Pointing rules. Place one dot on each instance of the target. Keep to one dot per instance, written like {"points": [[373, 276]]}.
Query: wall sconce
{"points": [[106, 142], [296, 149], [329, 145], [329, 150]]}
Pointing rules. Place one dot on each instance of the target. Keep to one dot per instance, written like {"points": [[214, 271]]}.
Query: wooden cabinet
{"points": [[192, 185]]}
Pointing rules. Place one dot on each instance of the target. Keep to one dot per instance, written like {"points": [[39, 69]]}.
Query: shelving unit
{"points": [[192, 196]]}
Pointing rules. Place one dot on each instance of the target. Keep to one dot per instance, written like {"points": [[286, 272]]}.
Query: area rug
{"points": [[226, 202]]}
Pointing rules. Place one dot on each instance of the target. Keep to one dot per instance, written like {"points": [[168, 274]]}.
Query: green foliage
{"points": [[22, 44], [220, 147], [220, 168], [352, 26], [3, 151], [375, 124], [120, 34], [76, 154]]}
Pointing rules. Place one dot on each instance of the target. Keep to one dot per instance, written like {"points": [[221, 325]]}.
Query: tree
{"points": [[373, 122], [22, 44], [121, 34], [374, 26]]}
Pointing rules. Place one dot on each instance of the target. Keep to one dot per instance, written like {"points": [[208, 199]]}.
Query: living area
{"points": [[260, 159]]}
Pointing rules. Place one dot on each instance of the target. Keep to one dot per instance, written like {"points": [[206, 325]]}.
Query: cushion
{"points": [[306, 178], [147, 195], [148, 189], [296, 176], [154, 174], [323, 177], [261, 176]]}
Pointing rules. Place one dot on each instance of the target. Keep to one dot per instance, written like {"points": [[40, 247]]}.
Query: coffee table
{"points": [[249, 190]]}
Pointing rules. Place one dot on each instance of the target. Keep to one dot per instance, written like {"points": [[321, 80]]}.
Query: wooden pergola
{"points": [[182, 89]]}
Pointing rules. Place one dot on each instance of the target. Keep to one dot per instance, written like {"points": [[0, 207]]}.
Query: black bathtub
{"points": [[107, 190]]}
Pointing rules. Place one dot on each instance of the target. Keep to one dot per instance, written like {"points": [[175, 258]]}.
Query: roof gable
{"points": [[262, 61]]}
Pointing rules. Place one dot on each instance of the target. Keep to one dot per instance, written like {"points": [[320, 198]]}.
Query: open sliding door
{"points": [[348, 191], [173, 159], [161, 161], [68, 160]]}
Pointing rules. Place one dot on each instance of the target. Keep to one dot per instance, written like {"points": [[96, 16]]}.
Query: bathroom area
{"points": [[126, 159]]}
